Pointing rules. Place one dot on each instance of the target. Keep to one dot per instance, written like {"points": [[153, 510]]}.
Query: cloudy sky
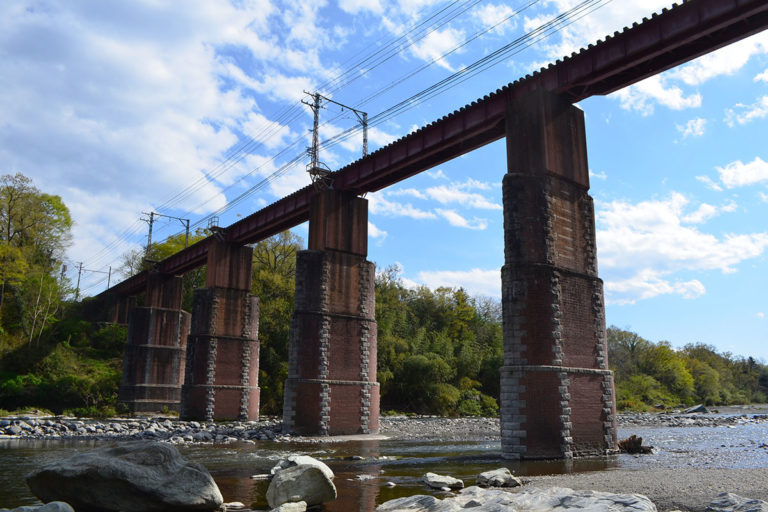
{"points": [[193, 109]]}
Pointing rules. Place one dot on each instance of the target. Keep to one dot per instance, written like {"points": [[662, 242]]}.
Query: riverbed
{"points": [[367, 466]]}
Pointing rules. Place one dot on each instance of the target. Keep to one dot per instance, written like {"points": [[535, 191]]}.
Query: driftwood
{"points": [[634, 444]]}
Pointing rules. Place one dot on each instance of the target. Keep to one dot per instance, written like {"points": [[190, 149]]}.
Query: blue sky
{"points": [[179, 108]]}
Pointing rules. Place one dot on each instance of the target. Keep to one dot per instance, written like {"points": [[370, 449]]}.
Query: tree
{"points": [[34, 232]]}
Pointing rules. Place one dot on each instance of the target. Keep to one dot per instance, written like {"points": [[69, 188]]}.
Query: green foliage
{"points": [[655, 374], [439, 351]]}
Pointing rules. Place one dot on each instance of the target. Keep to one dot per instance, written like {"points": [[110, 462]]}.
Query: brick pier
{"points": [[153, 365], [557, 394], [331, 387], [222, 375]]}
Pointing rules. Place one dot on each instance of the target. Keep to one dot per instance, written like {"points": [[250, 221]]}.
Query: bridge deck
{"points": [[665, 40]]}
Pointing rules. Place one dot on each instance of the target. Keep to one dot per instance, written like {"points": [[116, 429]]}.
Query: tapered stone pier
{"points": [[331, 387], [222, 378], [557, 393], [153, 365]]}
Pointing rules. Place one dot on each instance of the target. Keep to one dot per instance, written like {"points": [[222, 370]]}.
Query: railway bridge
{"points": [[557, 393]]}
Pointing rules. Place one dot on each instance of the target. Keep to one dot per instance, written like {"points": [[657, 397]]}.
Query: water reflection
{"points": [[363, 468]]}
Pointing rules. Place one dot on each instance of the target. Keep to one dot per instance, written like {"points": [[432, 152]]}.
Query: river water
{"points": [[363, 468]]}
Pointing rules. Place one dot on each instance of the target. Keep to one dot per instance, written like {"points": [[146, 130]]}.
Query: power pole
{"points": [[152, 215], [79, 272], [318, 171]]}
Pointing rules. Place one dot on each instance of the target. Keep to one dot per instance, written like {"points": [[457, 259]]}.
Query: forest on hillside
{"points": [[439, 350]]}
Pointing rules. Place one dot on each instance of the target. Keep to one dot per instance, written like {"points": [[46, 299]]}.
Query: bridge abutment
{"points": [[153, 365], [222, 369], [557, 394], [331, 387]]}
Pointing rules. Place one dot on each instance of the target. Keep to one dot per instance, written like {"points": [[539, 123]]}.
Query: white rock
{"points": [[501, 477], [298, 506], [296, 460], [305, 482], [556, 499], [439, 482], [727, 502]]}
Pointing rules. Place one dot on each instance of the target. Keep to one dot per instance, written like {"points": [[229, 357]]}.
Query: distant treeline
{"points": [[439, 350]]}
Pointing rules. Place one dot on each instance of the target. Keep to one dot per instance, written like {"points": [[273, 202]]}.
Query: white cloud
{"points": [[643, 95], [762, 77], [437, 175], [725, 61], [375, 232], [358, 6], [377, 205], [743, 114], [475, 281], [436, 44], [764, 197], [648, 284], [598, 175], [693, 128], [710, 183], [455, 193], [641, 246], [456, 220], [491, 15], [739, 174], [760, 315]]}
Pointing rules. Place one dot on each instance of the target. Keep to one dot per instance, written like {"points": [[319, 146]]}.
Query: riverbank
{"points": [[427, 428]]}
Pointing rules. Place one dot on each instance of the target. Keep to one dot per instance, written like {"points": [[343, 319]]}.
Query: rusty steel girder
{"points": [[673, 37]]}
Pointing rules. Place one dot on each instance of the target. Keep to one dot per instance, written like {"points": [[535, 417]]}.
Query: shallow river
{"points": [[363, 468]]}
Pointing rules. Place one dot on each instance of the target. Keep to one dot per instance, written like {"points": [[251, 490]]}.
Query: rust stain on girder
{"points": [[673, 37]]}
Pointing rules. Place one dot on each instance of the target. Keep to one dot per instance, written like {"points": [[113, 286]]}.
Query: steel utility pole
{"points": [[151, 221], [318, 171]]}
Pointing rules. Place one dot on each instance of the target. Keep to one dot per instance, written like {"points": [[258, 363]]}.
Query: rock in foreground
{"points": [[306, 482], [132, 477], [442, 482], [728, 502], [54, 506], [556, 499], [501, 477]]}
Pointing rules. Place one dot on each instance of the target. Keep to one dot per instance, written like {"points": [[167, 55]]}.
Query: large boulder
{"points": [[501, 477], [305, 482], [728, 502], [442, 482], [130, 477], [556, 499]]}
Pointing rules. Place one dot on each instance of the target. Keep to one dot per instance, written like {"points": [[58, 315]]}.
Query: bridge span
{"points": [[557, 397]]}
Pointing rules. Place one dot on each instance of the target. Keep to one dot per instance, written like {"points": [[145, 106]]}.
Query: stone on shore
{"points": [[54, 506], [298, 506], [501, 477], [727, 502], [131, 477], [306, 482], [442, 482], [556, 499]]}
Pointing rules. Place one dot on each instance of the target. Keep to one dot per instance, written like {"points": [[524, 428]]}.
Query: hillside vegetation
{"points": [[439, 350]]}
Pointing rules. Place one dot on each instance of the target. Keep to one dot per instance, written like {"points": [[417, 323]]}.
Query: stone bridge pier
{"points": [[557, 394], [331, 387], [222, 376], [153, 365]]}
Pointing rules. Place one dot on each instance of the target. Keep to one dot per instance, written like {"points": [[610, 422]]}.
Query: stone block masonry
{"points": [[331, 387], [557, 397], [222, 366], [153, 364]]}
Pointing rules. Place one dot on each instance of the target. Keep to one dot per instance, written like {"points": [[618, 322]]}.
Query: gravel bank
{"points": [[668, 489]]}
